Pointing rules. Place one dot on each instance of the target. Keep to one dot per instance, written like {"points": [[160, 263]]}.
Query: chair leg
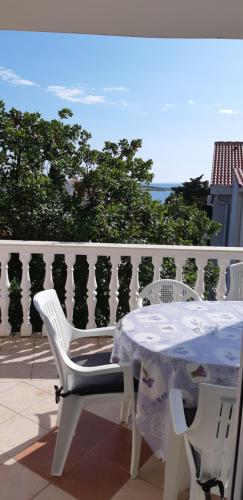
{"points": [[68, 420], [177, 476], [136, 449], [59, 412], [125, 411], [196, 493]]}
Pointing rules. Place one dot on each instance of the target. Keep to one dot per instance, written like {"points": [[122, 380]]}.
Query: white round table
{"points": [[177, 345]]}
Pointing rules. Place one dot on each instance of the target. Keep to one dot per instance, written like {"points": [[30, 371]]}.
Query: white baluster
{"points": [[221, 286], [5, 327], [157, 267], [26, 327], [134, 285], [48, 259], [70, 261], [114, 285], [201, 263], [48, 281], [91, 287], [179, 263]]}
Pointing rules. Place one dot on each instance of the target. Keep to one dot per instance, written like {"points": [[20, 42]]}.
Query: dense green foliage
{"points": [[54, 186], [194, 192]]}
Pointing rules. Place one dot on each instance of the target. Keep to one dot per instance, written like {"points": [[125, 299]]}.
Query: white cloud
{"points": [[9, 76], [191, 101], [125, 104], [115, 89], [167, 106], [75, 94], [228, 111]]}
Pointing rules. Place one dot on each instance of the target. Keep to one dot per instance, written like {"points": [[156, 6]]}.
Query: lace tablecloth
{"points": [[177, 345]]}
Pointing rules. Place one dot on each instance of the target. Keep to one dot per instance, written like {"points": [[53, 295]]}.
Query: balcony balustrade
{"points": [[115, 254]]}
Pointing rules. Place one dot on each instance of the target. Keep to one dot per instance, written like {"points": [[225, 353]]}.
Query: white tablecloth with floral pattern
{"points": [[177, 345]]}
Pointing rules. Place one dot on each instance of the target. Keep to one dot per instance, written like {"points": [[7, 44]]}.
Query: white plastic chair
{"points": [[236, 282], [208, 441], [82, 383], [166, 291]]}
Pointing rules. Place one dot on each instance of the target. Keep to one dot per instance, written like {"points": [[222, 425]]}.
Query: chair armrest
{"points": [[75, 369], [107, 331], [177, 412]]}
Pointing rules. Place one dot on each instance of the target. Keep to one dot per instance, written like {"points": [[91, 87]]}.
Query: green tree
{"points": [[54, 186], [194, 192]]}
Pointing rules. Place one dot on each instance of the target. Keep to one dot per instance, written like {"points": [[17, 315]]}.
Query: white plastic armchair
{"points": [[236, 282], [84, 380], [166, 290], [207, 442]]}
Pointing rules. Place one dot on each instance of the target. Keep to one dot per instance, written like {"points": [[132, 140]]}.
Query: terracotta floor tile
{"points": [[43, 412], [92, 429], [43, 371], [51, 492], [21, 396], [38, 456], [93, 478], [117, 447], [10, 372], [137, 489], [18, 433], [153, 472], [19, 483], [16, 344]]}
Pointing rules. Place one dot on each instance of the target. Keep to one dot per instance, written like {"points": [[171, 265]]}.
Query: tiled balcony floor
{"points": [[98, 464]]}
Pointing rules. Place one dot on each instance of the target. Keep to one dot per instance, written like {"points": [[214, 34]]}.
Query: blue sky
{"points": [[179, 96]]}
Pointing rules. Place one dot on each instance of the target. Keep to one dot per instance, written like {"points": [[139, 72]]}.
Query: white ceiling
{"points": [[146, 18]]}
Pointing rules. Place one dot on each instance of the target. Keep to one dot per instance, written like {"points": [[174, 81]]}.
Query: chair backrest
{"points": [[58, 329], [236, 282], [166, 291], [209, 439]]}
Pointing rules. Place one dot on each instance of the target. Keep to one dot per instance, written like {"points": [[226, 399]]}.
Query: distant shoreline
{"points": [[161, 190], [154, 187]]}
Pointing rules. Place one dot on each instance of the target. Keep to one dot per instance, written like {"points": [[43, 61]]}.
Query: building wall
{"points": [[221, 213]]}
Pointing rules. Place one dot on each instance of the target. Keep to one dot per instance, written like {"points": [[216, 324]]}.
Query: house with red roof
{"points": [[226, 193]]}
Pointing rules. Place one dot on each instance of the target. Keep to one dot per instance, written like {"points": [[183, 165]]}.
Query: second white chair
{"points": [[208, 443], [236, 282], [167, 291]]}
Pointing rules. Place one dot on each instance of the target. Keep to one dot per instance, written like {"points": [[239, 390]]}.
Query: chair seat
{"points": [[98, 384]]}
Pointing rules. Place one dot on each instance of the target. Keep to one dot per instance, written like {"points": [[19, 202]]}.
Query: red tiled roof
{"points": [[227, 163]]}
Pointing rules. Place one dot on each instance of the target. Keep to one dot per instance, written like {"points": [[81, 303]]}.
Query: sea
{"points": [[160, 190]]}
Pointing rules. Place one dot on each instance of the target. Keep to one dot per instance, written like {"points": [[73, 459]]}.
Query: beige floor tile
{"points": [[46, 385], [110, 411], [18, 482], [137, 489], [21, 396], [153, 472], [4, 457], [6, 385], [5, 413], [18, 433], [43, 412], [53, 493]]}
